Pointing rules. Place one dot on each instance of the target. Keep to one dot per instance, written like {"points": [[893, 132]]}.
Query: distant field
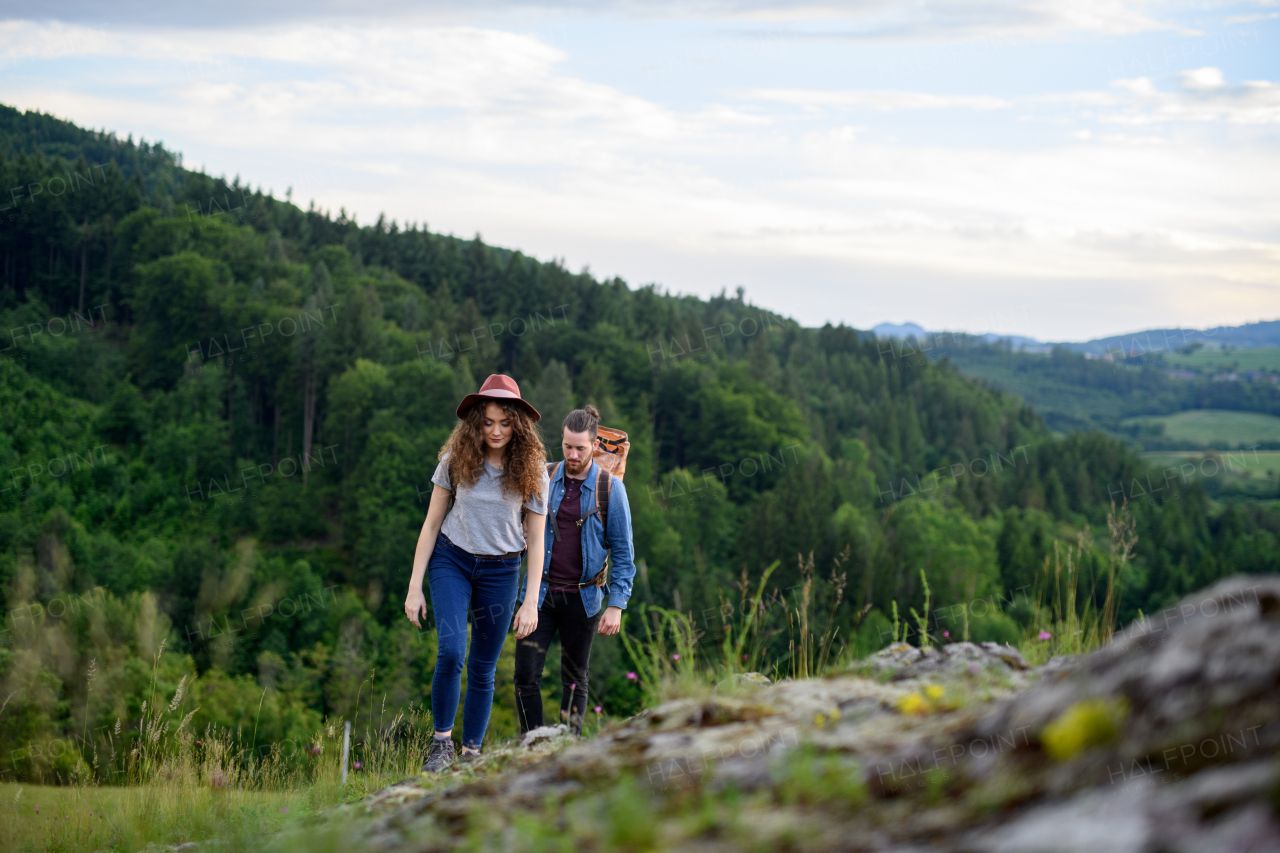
{"points": [[1224, 474], [1214, 361], [1209, 427], [1240, 464]]}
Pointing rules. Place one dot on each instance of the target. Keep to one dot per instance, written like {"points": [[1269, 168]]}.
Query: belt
{"points": [[595, 581], [507, 556]]}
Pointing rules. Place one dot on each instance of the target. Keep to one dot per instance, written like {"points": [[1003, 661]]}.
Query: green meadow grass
{"points": [[1216, 360], [103, 817], [1215, 427], [1238, 465]]}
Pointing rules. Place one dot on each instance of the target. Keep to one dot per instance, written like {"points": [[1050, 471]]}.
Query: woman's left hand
{"points": [[526, 620]]}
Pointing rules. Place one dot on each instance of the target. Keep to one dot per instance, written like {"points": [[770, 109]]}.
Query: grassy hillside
{"points": [[1210, 428], [1126, 398], [1221, 360], [1224, 474]]}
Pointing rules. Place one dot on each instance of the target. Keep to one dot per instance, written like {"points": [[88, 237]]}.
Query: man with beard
{"points": [[589, 523]]}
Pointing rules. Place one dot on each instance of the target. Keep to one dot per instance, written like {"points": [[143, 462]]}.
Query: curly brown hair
{"points": [[525, 457]]}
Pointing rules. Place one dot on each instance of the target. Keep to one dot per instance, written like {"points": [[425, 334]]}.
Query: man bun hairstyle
{"points": [[586, 419]]}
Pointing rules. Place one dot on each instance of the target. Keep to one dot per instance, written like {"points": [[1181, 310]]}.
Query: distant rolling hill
{"points": [[1125, 385], [1148, 341]]}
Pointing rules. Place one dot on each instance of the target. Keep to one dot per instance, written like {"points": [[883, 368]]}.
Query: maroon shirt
{"points": [[565, 572]]}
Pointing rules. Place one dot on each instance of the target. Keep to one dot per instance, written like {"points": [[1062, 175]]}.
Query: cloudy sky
{"points": [[1064, 169]]}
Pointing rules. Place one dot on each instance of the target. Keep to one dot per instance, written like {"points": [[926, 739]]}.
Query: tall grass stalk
{"points": [[666, 658], [670, 660], [922, 622], [811, 651], [838, 583], [744, 641], [1062, 625], [1122, 527], [801, 658]]}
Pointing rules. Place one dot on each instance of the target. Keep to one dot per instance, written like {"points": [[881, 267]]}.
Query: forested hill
{"points": [[217, 408]]}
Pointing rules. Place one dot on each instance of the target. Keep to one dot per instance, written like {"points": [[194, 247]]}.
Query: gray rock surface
{"points": [[544, 733], [901, 660], [1165, 740]]}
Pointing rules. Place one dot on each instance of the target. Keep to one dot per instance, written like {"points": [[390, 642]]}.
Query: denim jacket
{"points": [[622, 567]]}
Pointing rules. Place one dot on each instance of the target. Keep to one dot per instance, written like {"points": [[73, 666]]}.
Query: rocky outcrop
{"points": [[1165, 740], [901, 660]]}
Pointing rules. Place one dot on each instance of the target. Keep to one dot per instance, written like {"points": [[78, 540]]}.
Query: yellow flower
{"points": [[934, 691], [1090, 722], [820, 719], [913, 703]]}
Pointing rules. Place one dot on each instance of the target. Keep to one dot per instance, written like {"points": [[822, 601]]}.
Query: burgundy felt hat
{"points": [[498, 387]]}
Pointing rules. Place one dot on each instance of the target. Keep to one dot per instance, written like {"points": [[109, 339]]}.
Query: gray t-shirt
{"points": [[484, 520]]}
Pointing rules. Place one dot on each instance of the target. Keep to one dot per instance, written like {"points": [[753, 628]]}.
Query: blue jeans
{"points": [[463, 585]]}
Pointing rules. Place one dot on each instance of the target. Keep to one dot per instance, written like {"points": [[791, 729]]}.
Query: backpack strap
{"points": [[552, 469], [604, 485]]}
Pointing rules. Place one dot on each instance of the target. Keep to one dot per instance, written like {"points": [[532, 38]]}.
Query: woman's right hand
{"points": [[415, 605]]}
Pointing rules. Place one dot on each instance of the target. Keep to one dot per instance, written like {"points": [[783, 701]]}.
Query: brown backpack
{"points": [[611, 453], [611, 458]]}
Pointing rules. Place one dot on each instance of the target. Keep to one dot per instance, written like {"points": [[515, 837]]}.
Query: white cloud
{"points": [[883, 101], [1203, 96], [861, 19], [477, 129], [1203, 79], [1251, 19]]}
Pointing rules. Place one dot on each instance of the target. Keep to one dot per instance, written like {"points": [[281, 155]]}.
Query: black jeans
{"points": [[563, 612]]}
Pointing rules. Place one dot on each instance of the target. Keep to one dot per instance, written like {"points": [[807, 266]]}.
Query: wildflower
{"points": [[358, 765], [675, 657], [198, 743], [912, 703], [974, 669], [934, 691], [947, 634], [599, 709], [1045, 635], [631, 676]]}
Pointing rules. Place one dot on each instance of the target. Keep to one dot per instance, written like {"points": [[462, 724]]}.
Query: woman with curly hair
{"points": [[494, 468]]}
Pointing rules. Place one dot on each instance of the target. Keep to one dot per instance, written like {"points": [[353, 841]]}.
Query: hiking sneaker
{"points": [[439, 756], [465, 757]]}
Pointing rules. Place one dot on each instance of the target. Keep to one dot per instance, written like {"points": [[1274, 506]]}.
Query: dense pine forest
{"points": [[220, 411]]}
